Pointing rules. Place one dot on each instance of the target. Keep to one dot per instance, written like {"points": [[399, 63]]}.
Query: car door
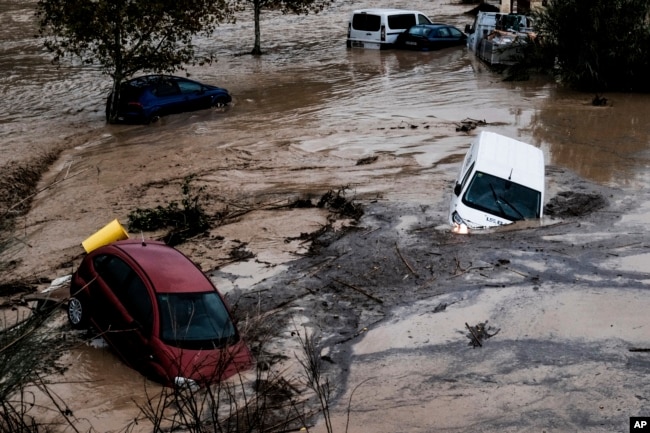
{"points": [[457, 37], [124, 308], [442, 38], [445, 37], [168, 98], [414, 38], [194, 94]]}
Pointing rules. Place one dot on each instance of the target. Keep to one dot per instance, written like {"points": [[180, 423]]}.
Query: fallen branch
{"points": [[404, 260], [363, 292], [471, 330]]}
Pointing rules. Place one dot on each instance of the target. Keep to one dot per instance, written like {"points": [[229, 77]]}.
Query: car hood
{"points": [[201, 366]]}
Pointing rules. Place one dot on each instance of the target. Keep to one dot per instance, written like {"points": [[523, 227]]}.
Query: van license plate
{"points": [[357, 44]]}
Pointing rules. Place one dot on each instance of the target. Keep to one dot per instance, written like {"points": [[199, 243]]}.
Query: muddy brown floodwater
{"points": [[569, 296]]}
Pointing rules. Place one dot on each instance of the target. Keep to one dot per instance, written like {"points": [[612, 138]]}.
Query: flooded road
{"points": [[303, 115]]}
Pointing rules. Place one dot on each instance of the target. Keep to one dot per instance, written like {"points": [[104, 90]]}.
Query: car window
{"points": [[112, 270], [462, 184], [401, 21], [502, 197], [195, 320], [423, 19], [366, 22], [443, 32], [165, 88], [189, 86], [418, 31], [455, 32], [128, 288], [130, 93]]}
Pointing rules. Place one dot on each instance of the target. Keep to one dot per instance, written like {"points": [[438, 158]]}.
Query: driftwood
{"points": [[477, 340], [479, 333], [363, 292], [404, 260]]}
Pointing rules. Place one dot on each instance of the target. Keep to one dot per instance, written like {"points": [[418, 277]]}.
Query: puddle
{"points": [[632, 263]]}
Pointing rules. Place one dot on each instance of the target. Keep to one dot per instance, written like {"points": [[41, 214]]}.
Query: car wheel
{"points": [[220, 101], [77, 314]]}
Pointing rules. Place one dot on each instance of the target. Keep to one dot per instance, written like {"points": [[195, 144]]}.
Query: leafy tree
{"points": [[298, 7], [129, 36], [597, 45]]}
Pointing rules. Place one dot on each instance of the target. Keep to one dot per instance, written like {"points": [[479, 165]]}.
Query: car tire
{"points": [[77, 313], [220, 101]]}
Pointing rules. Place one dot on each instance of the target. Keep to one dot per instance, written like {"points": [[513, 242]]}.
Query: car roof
{"points": [[146, 80], [169, 270], [433, 25], [385, 10], [511, 159]]}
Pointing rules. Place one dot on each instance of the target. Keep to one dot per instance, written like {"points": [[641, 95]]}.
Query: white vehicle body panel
{"points": [[371, 28], [509, 162]]}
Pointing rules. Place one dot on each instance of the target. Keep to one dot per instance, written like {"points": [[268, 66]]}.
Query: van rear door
{"points": [[365, 27]]}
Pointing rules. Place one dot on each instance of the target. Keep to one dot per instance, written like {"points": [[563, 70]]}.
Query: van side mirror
{"points": [[457, 189], [468, 29]]}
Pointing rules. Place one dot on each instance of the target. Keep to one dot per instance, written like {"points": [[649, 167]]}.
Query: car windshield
{"points": [[502, 197], [195, 320]]}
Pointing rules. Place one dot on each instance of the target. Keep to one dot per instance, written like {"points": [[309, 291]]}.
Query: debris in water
{"points": [[367, 160], [599, 101], [469, 124], [478, 333]]}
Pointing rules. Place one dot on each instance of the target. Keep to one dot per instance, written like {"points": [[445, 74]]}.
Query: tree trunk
{"points": [[257, 12], [113, 101]]}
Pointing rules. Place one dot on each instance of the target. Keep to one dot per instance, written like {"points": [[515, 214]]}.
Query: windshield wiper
{"points": [[513, 208], [496, 199]]}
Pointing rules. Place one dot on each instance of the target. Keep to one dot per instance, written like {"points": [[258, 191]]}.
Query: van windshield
{"points": [[502, 197]]}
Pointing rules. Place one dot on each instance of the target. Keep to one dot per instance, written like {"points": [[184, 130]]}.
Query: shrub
{"points": [[597, 45]]}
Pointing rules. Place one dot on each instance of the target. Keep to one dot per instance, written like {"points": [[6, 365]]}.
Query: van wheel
{"points": [[77, 313]]}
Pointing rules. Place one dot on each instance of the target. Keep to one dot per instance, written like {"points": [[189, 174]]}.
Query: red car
{"points": [[159, 312]]}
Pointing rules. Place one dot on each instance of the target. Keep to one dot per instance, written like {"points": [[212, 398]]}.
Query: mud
{"points": [[567, 292]]}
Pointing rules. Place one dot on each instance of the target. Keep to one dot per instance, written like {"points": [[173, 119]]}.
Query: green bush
{"points": [[184, 220]]}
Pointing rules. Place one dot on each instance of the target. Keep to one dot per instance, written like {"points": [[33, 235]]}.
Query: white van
{"points": [[501, 181], [379, 28]]}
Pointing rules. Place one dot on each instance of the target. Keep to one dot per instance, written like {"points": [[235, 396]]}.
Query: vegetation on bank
{"points": [[594, 46]]}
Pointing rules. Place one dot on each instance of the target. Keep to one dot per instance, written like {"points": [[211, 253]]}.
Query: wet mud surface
{"points": [[393, 298], [389, 294]]}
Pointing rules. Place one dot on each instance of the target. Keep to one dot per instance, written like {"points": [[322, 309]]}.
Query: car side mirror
{"points": [[457, 189]]}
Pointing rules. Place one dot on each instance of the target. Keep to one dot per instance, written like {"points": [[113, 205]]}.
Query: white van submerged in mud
{"points": [[379, 28], [501, 181]]}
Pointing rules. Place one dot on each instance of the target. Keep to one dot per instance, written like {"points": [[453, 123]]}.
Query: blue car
{"points": [[145, 99], [429, 37]]}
